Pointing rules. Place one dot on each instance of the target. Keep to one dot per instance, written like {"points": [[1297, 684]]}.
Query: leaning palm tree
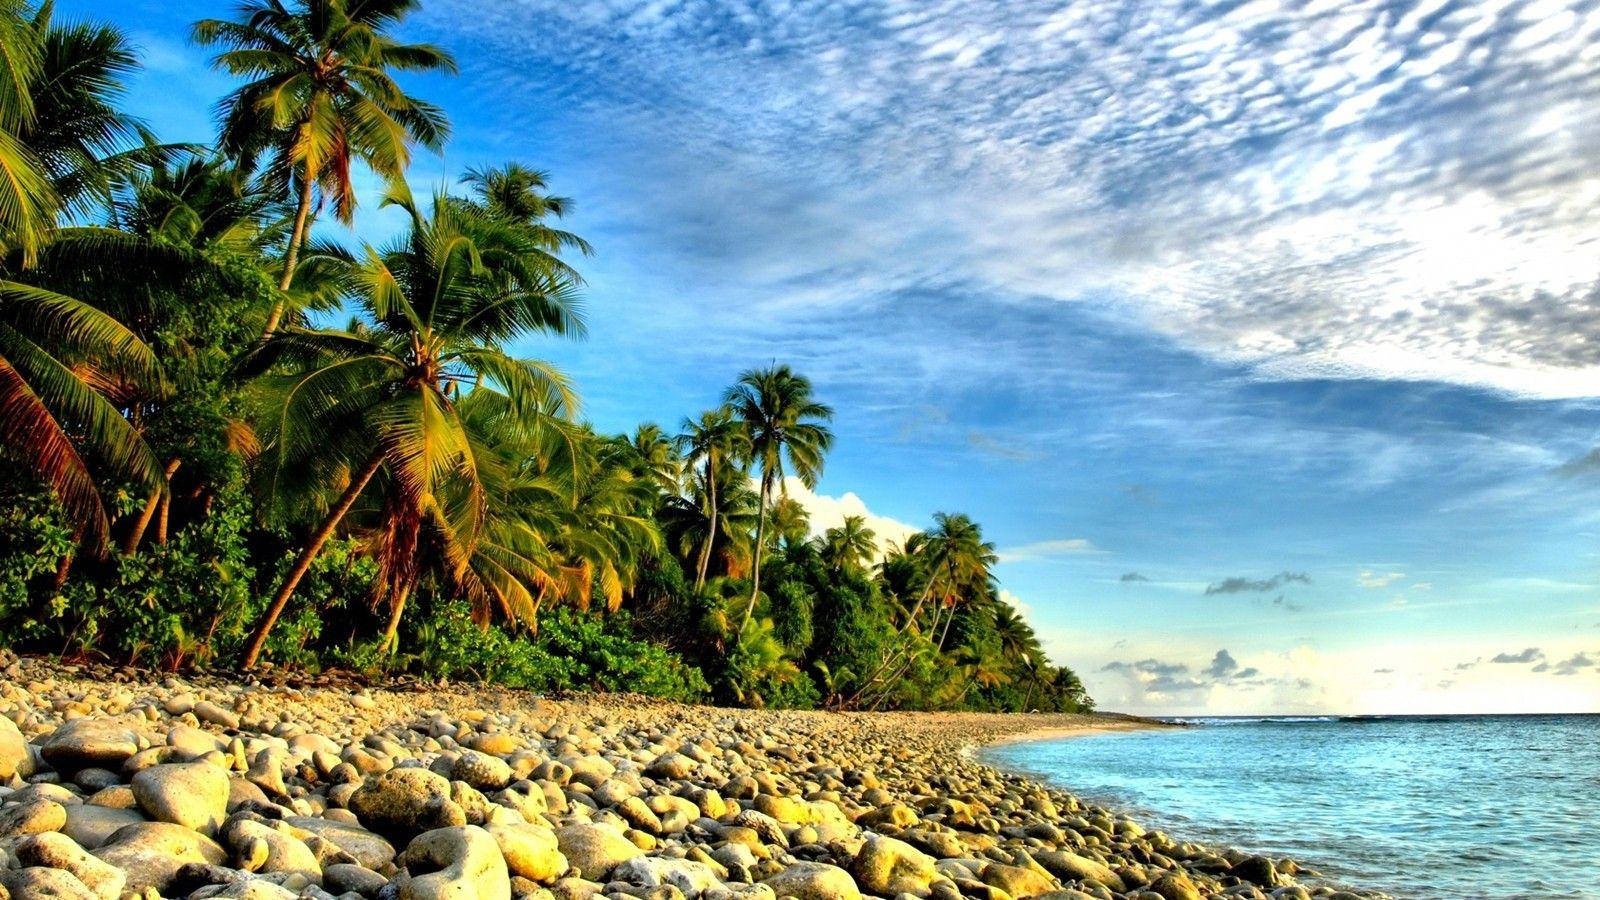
{"points": [[321, 96], [712, 442], [340, 405], [784, 424]]}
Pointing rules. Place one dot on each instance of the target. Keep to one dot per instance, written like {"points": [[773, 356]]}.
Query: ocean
{"points": [[1486, 807]]}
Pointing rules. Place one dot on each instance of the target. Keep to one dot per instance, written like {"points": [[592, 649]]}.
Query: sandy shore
{"points": [[118, 784]]}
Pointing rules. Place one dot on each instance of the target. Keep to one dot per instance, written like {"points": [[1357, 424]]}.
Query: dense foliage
{"points": [[268, 448]]}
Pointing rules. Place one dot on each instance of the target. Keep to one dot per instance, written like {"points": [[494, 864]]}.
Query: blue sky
{"points": [[1261, 337]]}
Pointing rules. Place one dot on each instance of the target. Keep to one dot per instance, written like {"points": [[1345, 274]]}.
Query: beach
{"points": [[122, 783]]}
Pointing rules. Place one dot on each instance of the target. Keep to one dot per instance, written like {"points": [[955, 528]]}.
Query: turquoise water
{"points": [[1422, 807]]}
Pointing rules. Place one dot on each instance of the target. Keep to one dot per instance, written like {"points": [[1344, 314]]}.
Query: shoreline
{"points": [[598, 797]]}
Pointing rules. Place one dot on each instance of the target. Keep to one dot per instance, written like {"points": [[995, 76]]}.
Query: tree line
{"points": [[227, 439]]}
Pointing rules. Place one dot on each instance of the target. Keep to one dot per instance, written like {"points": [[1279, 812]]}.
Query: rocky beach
{"points": [[119, 783]]}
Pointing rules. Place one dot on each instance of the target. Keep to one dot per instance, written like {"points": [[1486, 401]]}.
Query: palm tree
{"points": [[848, 546], [713, 442], [442, 300], [954, 559], [655, 457], [516, 193], [784, 423], [321, 96], [60, 358]]}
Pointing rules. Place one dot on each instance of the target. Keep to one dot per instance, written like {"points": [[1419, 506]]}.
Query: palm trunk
{"points": [[1027, 699], [391, 632], [151, 504], [291, 257], [761, 535], [711, 532], [301, 565]]}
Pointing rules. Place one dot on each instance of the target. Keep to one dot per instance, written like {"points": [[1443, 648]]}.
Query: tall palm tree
{"points": [[713, 442], [849, 546], [784, 424], [321, 96], [442, 300], [60, 358]]}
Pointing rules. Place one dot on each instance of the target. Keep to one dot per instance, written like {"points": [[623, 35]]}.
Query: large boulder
{"points": [[595, 849], [368, 849], [1069, 866], [57, 851], [32, 817], [192, 794], [83, 743], [1017, 881], [1176, 886], [15, 758], [90, 825], [42, 882], [691, 877], [530, 851], [886, 867], [454, 864], [264, 847], [814, 881], [405, 801], [151, 853]]}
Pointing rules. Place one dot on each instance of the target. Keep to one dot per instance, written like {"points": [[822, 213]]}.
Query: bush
{"points": [[572, 651]]}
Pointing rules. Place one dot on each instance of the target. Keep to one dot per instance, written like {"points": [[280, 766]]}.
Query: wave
{"points": [[1248, 720]]}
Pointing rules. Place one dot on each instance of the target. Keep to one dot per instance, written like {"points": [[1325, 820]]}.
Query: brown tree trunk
{"points": [[303, 564], [755, 565], [154, 502], [291, 256], [711, 528], [391, 631]]}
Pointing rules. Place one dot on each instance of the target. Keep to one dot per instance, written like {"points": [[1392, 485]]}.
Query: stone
{"points": [[1258, 870], [459, 862], [85, 742], [15, 758], [1017, 881], [33, 817], [691, 877], [484, 772], [349, 878], [193, 794], [151, 853], [41, 882], [530, 851], [270, 849], [595, 849], [886, 866], [367, 848], [670, 765], [206, 711], [402, 801], [90, 825], [1175, 886], [57, 851], [1069, 866], [495, 744], [814, 881]]}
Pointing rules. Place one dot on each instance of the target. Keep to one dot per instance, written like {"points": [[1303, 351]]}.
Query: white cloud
{"points": [[1329, 191], [1375, 580], [1048, 549], [830, 512]]}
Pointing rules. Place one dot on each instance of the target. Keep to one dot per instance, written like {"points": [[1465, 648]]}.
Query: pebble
{"points": [[113, 787]]}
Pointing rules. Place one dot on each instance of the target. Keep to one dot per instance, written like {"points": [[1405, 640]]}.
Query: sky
{"points": [[1262, 338]]}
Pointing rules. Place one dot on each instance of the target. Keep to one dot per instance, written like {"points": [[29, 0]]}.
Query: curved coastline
{"points": [[886, 804]]}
